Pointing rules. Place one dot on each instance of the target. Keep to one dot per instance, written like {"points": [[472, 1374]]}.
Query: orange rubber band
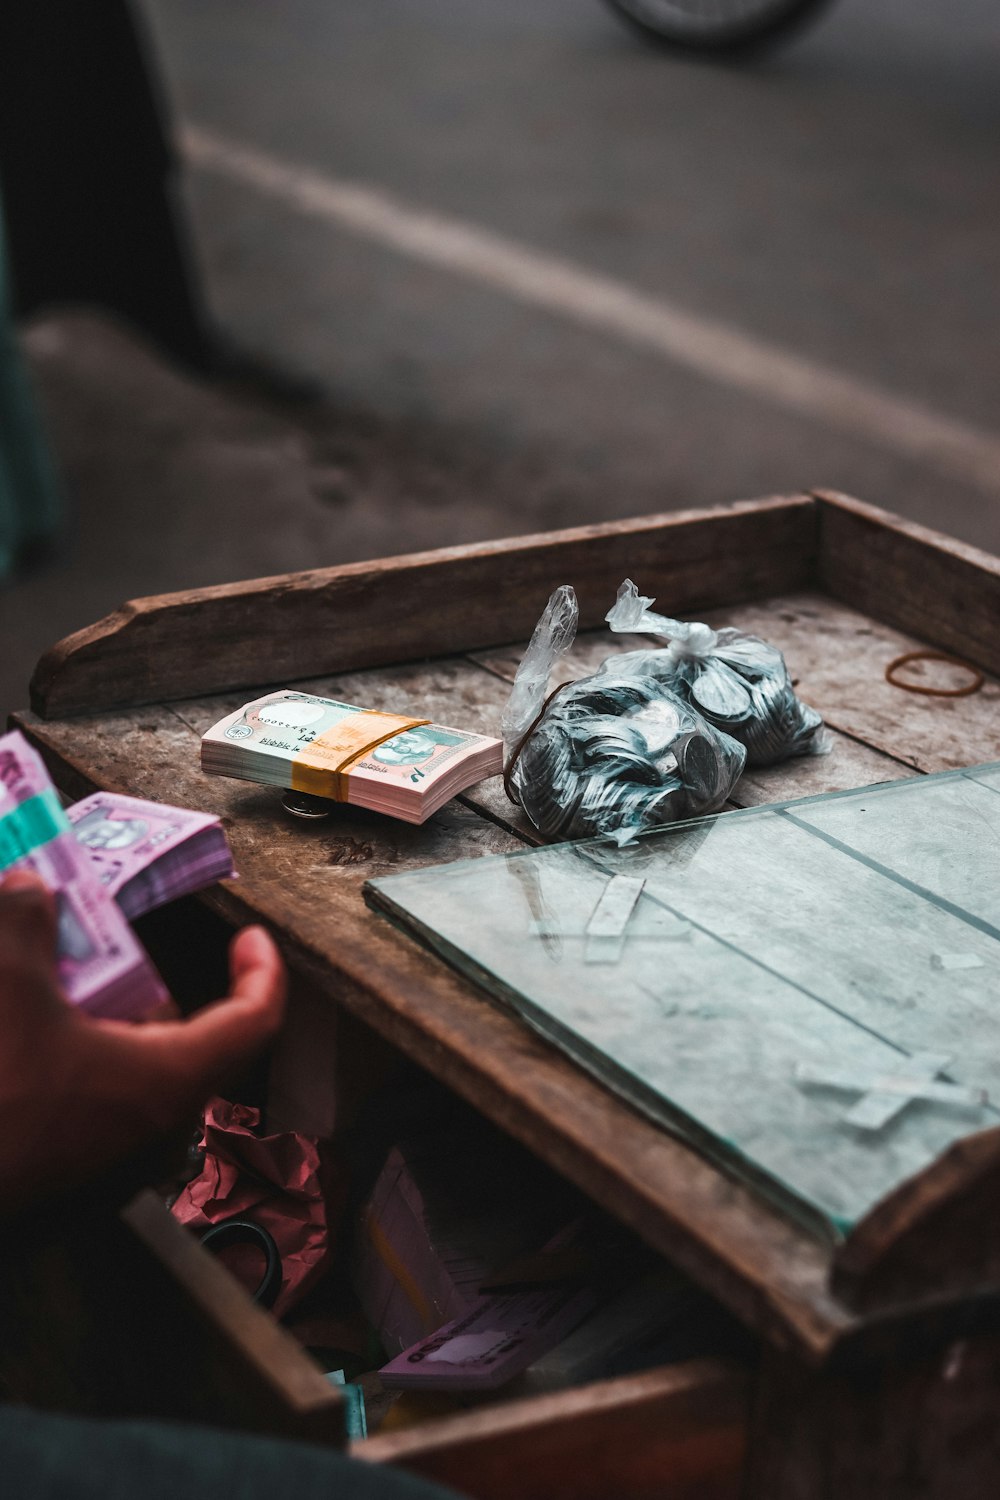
{"points": [[932, 692], [515, 756]]}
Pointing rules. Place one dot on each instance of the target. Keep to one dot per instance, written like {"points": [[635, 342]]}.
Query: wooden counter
{"points": [[878, 1359]]}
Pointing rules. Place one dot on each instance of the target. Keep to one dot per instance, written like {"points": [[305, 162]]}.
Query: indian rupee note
{"points": [[102, 966]]}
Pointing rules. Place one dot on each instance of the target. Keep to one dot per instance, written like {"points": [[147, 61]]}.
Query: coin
{"points": [[305, 805]]}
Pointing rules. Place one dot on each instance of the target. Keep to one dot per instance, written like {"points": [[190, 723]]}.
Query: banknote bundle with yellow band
{"points": [[322, 767], [389, 763]]}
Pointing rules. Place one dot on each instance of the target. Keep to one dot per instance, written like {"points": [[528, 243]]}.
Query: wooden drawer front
{"points": [[127, 1316], [677, 1433]]}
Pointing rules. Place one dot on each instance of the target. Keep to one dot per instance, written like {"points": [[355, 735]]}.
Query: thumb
{"points": [[223, 1037], [27, 925]]}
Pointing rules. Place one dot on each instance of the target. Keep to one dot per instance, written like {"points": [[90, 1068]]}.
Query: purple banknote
{"points": [[102, 966], [498, 1337], [147, 853]]}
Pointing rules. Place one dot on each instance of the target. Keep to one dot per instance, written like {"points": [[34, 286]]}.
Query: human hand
{"points": [[80, 1095]]}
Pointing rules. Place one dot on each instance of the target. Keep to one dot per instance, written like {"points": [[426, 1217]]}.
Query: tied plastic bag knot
{"points": [[631, 614], [736, 681]]}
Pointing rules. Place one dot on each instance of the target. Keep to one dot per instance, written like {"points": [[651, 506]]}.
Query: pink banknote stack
{"points": [[108, 859], [102, 965], [146, 853]]}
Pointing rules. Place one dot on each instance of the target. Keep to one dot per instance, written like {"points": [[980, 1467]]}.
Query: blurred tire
{"points": [[723, 27]]}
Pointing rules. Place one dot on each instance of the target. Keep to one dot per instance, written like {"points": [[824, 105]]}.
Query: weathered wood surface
{"points": [[946, 592], [838, 656], [470, 693], [327, 620], [291, 1386], [281, 629], [907, 1427], [917, 1423], [672, 1434], [590, 649], [790, 623], [305, 882], [127, 1316], [937, 1234]]}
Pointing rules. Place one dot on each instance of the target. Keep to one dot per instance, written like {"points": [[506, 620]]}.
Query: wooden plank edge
{"points": [[275, 1362], [942, 591], [666, 1432], [937, 1234], [421, 605]]}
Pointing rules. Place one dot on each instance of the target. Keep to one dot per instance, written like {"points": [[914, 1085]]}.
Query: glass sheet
{"points": [[808, 990]]}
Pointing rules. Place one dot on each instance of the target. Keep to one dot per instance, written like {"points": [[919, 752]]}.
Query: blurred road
{"points": [[636, 282], [538, 275]]}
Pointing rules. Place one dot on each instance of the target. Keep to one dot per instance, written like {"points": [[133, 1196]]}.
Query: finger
{"points": [[198, 1053], [22, 880], [124, 1087], [27, 924], [162, 1010], [225, 1036], [256, 969]]}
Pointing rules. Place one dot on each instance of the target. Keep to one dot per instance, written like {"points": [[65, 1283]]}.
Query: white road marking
{"points": [[718, 351]]}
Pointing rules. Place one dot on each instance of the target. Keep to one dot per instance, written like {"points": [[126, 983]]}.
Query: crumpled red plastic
{"points": [[286, 1183]]}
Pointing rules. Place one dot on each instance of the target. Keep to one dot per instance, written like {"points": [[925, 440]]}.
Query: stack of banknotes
{"points": [[496, 1340], [108, 859], [404, 767], [499, 1335], [435, 1227], [146, 853], [102, 966]]}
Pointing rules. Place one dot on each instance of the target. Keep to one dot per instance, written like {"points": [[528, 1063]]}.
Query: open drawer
{"points": [[126, 1316], [122, 1314]]}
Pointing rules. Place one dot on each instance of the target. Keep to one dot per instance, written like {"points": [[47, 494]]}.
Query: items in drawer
{"points": [[497, 1338], [456, 1242], [450, 1207]]}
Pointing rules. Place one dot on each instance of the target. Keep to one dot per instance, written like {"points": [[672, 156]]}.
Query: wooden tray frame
{"points": [[914, 1257]]}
